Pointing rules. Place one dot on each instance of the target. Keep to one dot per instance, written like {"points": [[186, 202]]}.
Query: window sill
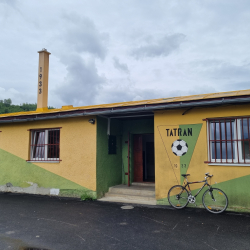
{"points": [[228, 164], [58, 161]]}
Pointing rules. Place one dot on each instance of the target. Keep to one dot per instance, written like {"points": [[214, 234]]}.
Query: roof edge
{"points": [[122, 110]]}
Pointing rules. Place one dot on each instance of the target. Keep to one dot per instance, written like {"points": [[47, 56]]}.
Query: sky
{"points": [[115, 51]]}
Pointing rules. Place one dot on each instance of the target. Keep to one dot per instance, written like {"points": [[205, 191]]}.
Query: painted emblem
{"points": [[179, 147]]}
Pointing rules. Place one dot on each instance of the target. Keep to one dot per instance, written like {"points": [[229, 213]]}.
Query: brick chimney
{"points": [[43, 80]]}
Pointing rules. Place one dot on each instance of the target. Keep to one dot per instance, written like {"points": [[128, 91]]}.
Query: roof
{"points": [[171, 102]]}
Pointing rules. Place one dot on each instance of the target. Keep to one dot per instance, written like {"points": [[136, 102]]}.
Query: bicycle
{"points": [[213, 199]]}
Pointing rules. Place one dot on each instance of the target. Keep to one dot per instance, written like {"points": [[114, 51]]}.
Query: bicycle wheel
{"points": [[178, 196], [215, 201]]}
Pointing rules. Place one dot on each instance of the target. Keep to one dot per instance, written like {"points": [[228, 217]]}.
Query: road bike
{"points": [[213, 199]]}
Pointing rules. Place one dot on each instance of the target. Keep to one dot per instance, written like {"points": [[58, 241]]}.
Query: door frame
{"points": [[141, 167]]}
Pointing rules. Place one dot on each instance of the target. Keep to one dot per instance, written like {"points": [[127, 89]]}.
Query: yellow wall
{"points": [[77, 147], [166, 174]]}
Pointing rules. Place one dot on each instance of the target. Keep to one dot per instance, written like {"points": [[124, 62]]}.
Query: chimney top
{"points": [[44, 50]]}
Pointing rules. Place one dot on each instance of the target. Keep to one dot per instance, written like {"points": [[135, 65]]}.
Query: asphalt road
{"points": [[38, 222]]}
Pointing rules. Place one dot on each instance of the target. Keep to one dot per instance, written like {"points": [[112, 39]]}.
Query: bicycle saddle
{"points": [[184, 175]]}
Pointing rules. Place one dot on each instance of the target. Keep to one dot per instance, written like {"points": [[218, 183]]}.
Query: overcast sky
{"points": [[114, 51]]}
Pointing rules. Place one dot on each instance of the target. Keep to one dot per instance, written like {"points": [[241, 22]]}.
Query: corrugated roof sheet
{"points": [[135, 103]]}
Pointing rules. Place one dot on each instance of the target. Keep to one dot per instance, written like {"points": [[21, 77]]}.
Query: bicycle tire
{"points": [[178, 197], [220, 202]]}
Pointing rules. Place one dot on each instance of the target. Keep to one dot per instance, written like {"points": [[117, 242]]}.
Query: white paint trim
{"points": [[208, 144], [229, 164], [45, 161]]}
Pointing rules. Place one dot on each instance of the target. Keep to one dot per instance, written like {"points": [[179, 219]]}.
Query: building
{"points": [[82, 151]]}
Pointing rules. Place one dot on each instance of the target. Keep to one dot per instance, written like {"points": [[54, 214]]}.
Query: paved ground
{"points": [[29, 222]]}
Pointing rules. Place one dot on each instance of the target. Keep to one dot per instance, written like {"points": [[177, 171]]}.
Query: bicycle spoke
{"points": [[215, 201], [178, 197]]}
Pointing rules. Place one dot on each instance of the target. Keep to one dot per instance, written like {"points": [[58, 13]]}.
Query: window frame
{"points": [[236, 140], [242, 139], [45, 145]]}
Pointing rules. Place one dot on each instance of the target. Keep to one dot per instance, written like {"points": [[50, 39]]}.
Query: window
{"points": [[112, 144], [45, 145], [229, 140]]}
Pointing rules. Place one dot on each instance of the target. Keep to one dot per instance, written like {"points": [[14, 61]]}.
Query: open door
{"points": [[144, 160], [138, 158], [128, 173]]}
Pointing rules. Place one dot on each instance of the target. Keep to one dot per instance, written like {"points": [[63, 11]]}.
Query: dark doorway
{"points": [[144, 160]]}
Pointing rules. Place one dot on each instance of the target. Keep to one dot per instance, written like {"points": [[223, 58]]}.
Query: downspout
{"points": [[108, 130], [108, 125]]}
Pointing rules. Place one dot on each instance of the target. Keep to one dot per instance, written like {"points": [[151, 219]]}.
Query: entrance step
{"points": [[148, 184], [139, 194], [144, 191]]}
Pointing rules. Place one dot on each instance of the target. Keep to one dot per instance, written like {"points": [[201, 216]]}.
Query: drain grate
{"points": [[127, 207]]}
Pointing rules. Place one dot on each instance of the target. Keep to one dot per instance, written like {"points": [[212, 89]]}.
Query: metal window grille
{"points": [[45, 145], [229, 140]]}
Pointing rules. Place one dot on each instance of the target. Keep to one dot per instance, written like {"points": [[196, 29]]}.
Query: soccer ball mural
{"points": [[179, 147]]}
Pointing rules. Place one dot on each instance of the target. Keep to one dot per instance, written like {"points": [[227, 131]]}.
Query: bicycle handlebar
{"points": [[208, 175]]}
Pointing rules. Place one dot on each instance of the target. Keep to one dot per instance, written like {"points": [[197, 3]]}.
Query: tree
{"points": [[7, 102], [6, 106]]}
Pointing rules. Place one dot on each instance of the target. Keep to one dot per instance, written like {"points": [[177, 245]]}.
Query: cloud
{"points": [[238, 85], [221, 69], [163, 47], [10, 3], [126, 93], [82, 36], [224, 75], [97, 49], [16, 96], [120, 66], [227, 70], [78, 48], [81, 83]]}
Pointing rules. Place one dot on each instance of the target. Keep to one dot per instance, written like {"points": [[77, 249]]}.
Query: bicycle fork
{"points": [[211, 193]]}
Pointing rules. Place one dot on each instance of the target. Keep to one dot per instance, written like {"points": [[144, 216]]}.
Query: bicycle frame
{"points": [[205, 184], [214, 199]]}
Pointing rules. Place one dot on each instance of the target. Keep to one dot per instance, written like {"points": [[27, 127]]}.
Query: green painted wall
{"points": [[235, 189], [108, 166], [133, 126], [191, 141], [21, 174]]}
